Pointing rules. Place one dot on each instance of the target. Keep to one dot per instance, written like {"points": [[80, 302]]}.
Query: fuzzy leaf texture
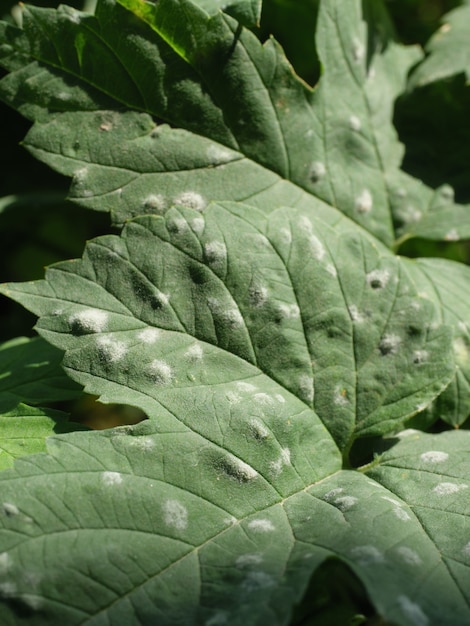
{"points": [[251, 130], [259, 349]]}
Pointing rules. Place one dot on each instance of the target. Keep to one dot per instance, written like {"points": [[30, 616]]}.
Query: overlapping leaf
{"points": [[237, 105]]}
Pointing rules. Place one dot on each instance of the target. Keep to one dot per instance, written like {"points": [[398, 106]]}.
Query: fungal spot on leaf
{"points": [[363, 202], [378, 279], [160, 372], [409, 556], [413, 611], [354, 313], [149, 335], [420, 356], [355, 123], [154, 203], [261, 525], [317, 171], [9, 509], [191, 200], [358, 50], [110, 349], [256, 581], [316, 248], [238, 469], [284, 459], [194, 352], [215, 252], [258, 430], [218, 155], [175, 514], [289, 311], [461, 351], [5, 563], [341, 396], [305, 388], [466, 549], [344, 503], [111, 478], [446, 489], [177, 225], [230, 316], [367, 555], [248, 560], [247, 387], [331, 269], [258, 295], [452, 235], [197, 224], [159, 300], [88, 321], [434, 456], [389, 344]]}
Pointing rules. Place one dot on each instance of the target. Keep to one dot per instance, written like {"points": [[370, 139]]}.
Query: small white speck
{"points": [[447, 193], [246, 560], [463, 327], [74, 16], [446, 489], [194, 352], [175, 514], [363, 202], [110, 349], [161, 372], [111, 478], [191, 200], [10, 509], [284, 459], [261, 525], [355, 123], [409, 556], [358, 50], [413, 611], [317, 171], [452, 235], [434, 456], [378, 279], [149, 335], [162, 298], [367, 555], [154, 203], [32, 601], [316, 248], [89, 321], [215, 252], [197, 224]]}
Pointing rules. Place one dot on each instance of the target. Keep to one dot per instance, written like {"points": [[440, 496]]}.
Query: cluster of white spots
{"points": [[258, 580], [160, 372], [331, 269], [460, 351], [466, 549], [434, 456], [194, 352], [358, 50], [258, 429], [413, 611], [247, 560], [258, 295], [420, 356], [89, 321], [247, 387], [155, 203], [306, 389], [367, 555], [10, 509], [317, 171], [175, 514], [289, 311], [283, 460], [316, 247], [111, 349], [354, 313], [111, 478], [389, 344], [355, 123], [378, 279], [215, 251], [261, 525], [340, 397], [452, 235], [241, 470], [218, 155], [363, 202], [409, 556], [447, 489], [149, 335], [191, 200], [197, 224]]}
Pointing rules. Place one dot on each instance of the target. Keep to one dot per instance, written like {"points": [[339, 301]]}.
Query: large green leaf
{"points": [[236, 111]]}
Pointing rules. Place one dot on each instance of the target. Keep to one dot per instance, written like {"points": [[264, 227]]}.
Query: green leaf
{"points": [[448, 50], [234, 103], [24, 431], [247, 12], [30, 371]]}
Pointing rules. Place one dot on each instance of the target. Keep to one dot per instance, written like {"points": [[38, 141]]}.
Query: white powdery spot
{"points": [[289, 311], [358, 50], [10, 509], [286, 236], [378, 279], [5, 563], [420, 356], [460, 351], [401, 514], [258, 295], [434, 456], [161, 372], [258, 580], [110, 349], [355, 123], [340, 397], [197, 224], [280, 398], [409, 556], [194, 352], [215, 251], [408, 432], [306, 390], [466, 549], [247, 387], [446, 489], [354, 313], [331, 495], [89, 321], [258, 429], [149, 335], [413, 611], [344, 503], [284, 459], [261, 525], [452, 235], [175, 514], [247, 560], [191, 200], [331, 269], [231, 316], [162, 298], [367, 555], [154, 203], [316, 248], [317, 171], [363, 202], [263, 398], [241, 470], [111, 478], [218, 155], [389, 344], [233, 398], [178, 225]]}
